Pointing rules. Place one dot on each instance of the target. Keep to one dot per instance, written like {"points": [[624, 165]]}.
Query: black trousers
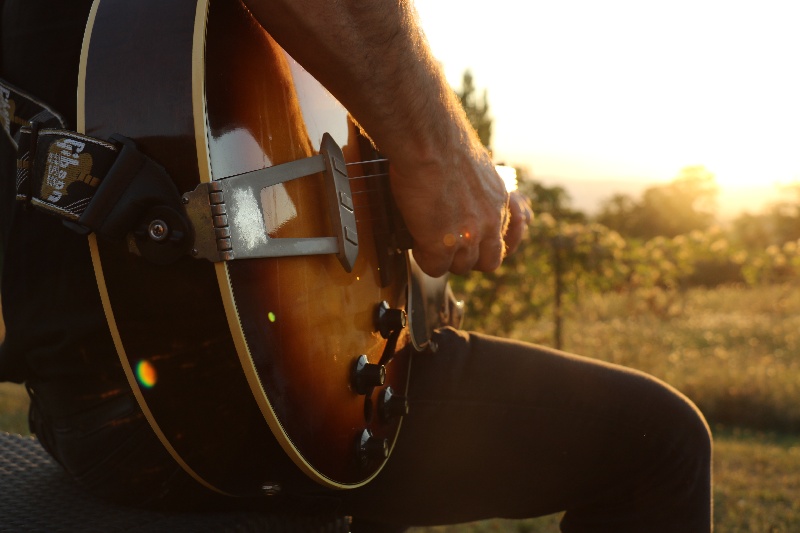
{"points": [[496, 429]]}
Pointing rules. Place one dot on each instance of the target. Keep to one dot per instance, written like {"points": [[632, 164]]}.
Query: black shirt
{"points": [[56, 332]]}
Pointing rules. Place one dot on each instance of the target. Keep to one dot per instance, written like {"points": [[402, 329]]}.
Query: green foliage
{"points": [[552, 200], [664, 242], [686, 204], [779, 223], [561, 247]]}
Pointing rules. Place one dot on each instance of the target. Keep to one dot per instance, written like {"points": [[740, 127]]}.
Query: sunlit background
{"points": [[615, 95]]}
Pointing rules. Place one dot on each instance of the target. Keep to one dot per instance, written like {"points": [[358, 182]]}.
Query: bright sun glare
{"points": [[508, 175], [631, 90]]}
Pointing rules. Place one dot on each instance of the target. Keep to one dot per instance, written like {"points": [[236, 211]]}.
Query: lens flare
{"points": [[146, 374], [271, 316]]}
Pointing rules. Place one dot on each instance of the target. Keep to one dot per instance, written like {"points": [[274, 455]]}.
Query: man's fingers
{"points": [[492, 251], [433, 263], [521, 214], [514, 235], [464, 255]]}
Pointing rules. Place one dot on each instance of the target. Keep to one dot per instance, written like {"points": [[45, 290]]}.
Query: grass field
{"points": [[734, 351]]}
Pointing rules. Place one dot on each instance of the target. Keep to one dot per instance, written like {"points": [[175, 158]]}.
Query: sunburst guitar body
{"points": [[255, 373]]}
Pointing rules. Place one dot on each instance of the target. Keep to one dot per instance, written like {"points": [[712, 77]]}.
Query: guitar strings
{"points": [[363, 191], [370, 162], [377, 217], [379, 175], [367, 162]]}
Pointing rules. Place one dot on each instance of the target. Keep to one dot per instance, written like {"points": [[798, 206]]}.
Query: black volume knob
{"points": [[388, 319], [367, 375], [371, 448], [391, 405]]}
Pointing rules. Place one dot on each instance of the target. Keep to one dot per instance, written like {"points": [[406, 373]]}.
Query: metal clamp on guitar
{"points": [[229, 224]]}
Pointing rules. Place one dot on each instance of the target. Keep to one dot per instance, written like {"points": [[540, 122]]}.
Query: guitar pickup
{"points": [[228, 222]]}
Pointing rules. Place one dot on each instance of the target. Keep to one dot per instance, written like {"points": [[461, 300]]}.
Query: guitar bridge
{"points": [[228, 223]]}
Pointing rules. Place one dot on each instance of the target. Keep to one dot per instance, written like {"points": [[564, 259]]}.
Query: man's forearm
{"points": [[359, 50]]}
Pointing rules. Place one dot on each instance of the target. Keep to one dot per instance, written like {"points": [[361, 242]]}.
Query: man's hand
{"points": [[373, 57], [455, 206]]}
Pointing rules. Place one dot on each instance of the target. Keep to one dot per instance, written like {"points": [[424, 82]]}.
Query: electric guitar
{"points": [[280, 348]]}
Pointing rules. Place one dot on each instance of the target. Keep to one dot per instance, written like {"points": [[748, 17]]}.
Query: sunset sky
{"points": [[632, 90]]}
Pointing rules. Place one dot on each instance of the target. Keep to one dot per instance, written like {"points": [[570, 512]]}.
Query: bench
{"points": [[36, 495]]}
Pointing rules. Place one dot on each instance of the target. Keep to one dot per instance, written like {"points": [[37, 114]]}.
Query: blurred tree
{"points": [[477, 109], [619, 213], [784, 216], [784, 221], [778, 224], [686, 204], [753, 231], [553, 200]]}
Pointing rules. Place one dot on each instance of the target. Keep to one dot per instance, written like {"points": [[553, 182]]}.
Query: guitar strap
{"points": [[23, 118], [112, 189], [92, 185]]}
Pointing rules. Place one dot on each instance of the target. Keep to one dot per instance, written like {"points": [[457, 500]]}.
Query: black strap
{"points": [[57, 170], [106, 187]]}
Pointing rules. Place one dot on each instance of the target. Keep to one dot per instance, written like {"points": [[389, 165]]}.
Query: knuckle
{"points": [[433, 264]]}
